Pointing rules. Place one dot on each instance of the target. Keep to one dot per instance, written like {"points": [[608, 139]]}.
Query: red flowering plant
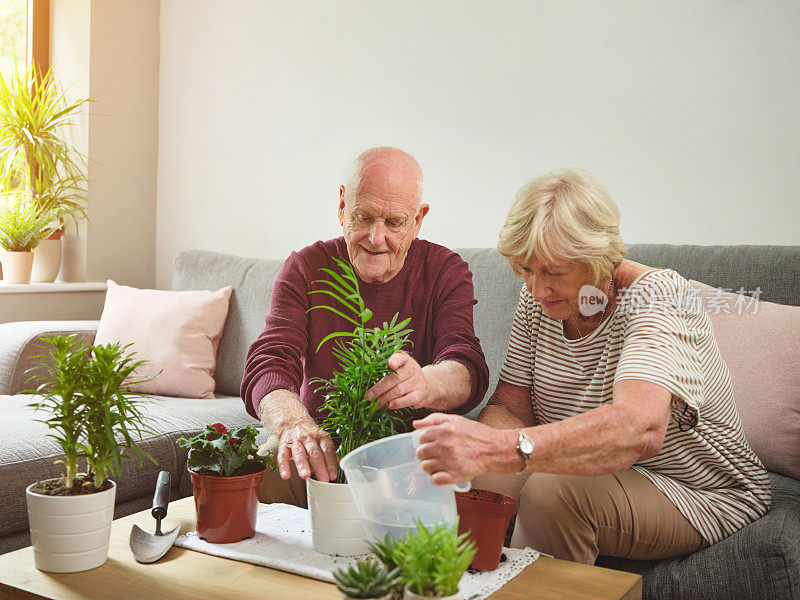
{"points": [[217, 451]]}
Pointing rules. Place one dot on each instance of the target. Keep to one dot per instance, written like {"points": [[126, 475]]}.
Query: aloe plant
{"points": [[35, 154], [367, 579], [363, 360], [433, 560]]}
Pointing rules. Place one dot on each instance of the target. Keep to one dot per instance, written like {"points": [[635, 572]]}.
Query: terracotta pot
{"points": [[226, 507], [487, 515]]}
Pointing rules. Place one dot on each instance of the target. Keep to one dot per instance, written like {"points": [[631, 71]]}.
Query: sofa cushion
{"points": [[760, 561], [27, 454], [759, 342], [176, 333]]}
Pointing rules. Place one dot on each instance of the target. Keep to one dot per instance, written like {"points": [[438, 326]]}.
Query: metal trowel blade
{"points": [[149, 547]]}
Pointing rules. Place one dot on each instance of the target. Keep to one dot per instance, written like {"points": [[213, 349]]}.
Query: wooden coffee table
{"points": [[185, 574]]}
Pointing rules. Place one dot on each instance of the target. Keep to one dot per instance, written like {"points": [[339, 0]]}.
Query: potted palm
{"points": [[226, 472], [22, 228], [92, 420], [36, 155], [350, 418], [432, 561]]}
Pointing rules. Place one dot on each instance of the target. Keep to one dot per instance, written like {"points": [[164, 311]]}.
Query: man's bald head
{"points": [[387, 165]]}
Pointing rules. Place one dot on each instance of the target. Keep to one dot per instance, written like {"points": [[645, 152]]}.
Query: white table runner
{"points": [[283, 542]]}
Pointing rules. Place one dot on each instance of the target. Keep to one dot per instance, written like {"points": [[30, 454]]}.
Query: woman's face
{"points": [[556, 285]]}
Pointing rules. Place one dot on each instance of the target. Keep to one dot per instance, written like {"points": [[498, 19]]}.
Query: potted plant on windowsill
{"points": [[92, 420], [36, 155], [351, 419], [22, 228], [226, 472], [432, 561]]}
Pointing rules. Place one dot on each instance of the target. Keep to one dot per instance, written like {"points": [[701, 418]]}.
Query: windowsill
{"points": [[59, 287]]}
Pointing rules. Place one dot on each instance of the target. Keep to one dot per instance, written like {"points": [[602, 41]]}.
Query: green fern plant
{"points": [[22, 225], [368, 579], [363, 356]]}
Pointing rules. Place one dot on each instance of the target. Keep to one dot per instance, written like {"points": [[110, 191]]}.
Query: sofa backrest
{"points": [[773, 269], [252, 280]]}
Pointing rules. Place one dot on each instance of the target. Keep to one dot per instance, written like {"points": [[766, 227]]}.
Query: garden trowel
{"points": [[149, 547]]}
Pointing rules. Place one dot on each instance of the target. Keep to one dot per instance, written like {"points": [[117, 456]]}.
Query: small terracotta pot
{"points": [[226, 507], [486, 514]]}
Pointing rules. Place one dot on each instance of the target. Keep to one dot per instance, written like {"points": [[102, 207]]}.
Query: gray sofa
{"points": [[761, 561]]}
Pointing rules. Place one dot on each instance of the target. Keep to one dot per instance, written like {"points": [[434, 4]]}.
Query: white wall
{"points": [[123, 141], [109, 51], [687, 110]]}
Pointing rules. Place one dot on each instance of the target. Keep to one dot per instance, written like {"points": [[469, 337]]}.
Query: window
{"points": [[24, 34], [13, 35]]}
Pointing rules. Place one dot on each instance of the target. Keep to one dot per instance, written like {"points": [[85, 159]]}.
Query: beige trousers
{"points": [[578, 518], [288, 491]]}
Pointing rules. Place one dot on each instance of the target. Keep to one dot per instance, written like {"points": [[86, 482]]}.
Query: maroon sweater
{"points": [[434, 288]]}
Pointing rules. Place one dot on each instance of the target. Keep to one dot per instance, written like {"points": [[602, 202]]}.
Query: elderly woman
{"points": [[617, 413]]}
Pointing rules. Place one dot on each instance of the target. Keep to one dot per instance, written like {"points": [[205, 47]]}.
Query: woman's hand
{"points": [[454, 449]]}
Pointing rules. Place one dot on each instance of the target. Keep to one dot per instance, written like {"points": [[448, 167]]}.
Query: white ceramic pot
{"points": [[17, 266], [409, 595], [46, 261], [70, 533], [336, 527]]}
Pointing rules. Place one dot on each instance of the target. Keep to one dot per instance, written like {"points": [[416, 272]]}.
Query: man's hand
{"points": [[404, 387], [305, 443], [454, 449]]}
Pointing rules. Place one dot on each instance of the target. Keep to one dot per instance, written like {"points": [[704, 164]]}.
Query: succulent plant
{"points": [[384, 550], [368, 579]]}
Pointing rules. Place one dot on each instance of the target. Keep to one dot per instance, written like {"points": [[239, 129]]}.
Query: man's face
{"points": [[379, 221]]}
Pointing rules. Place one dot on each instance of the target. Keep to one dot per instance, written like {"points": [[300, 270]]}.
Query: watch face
{"points": [[526, 446]]}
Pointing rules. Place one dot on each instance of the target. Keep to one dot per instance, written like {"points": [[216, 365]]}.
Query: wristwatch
{"points": [[525, 447]]}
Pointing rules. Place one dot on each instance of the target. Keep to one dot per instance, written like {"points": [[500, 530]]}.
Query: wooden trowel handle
{"points": [[161, 496]]}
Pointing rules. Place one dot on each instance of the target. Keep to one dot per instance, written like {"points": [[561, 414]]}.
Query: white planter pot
{"points": [[46, 261], [16, 266], [409, 595], [336, 527], [70, 533]]}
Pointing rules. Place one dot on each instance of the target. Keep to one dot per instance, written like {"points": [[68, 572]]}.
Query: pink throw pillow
{"points": [[759, 342], [177, 333]]}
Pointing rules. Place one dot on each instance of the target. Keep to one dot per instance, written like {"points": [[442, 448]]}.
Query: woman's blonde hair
{"points": [[564, 215]]}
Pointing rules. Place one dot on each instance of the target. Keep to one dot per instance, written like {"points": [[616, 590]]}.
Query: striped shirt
{"points": [[658, 332]]}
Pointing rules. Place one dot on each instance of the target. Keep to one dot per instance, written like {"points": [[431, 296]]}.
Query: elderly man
{"points": [[381, 213]]}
